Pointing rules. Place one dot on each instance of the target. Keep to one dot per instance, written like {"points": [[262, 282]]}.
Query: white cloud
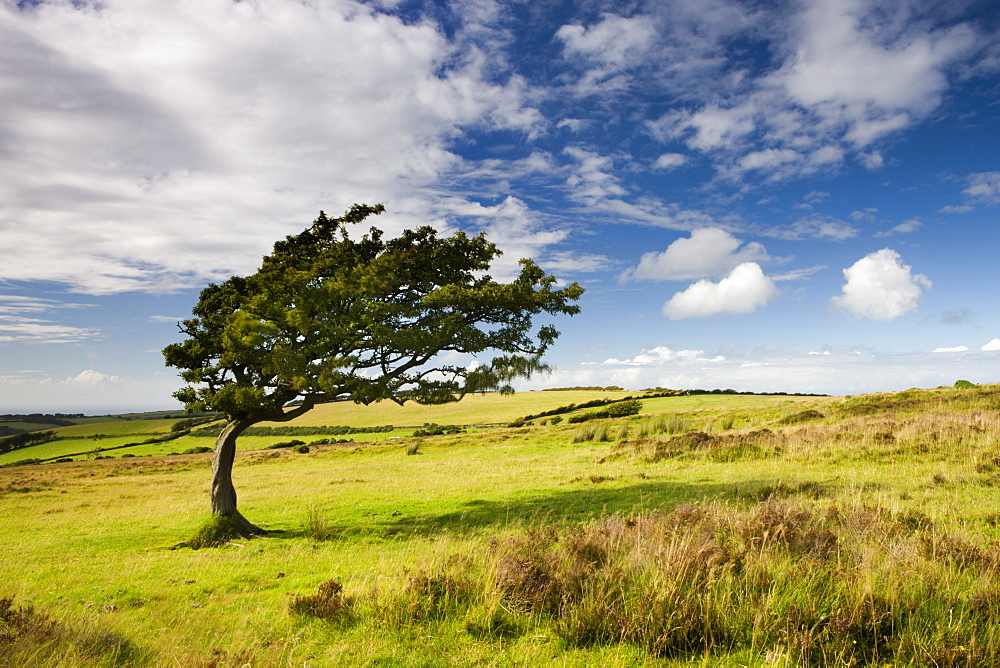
{"points": [[613, 41], [777, 371], [718, 127], [768, 159], [905, 227], [744, 290], [17, 321], [92, 378], [592, 180], [90, 391], [994, 344], [512, 226], [816, 227], [880, 287], [709, 251], [857, 73], [670, 161], [953, 349], [659, 355], [850, 73], [984, 187], [151, 146]]}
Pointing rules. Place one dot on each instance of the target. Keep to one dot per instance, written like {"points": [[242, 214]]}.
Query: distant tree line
{"points": [[18, 441], [40, 418], [588, 388], [667, 392], [298, 431]]}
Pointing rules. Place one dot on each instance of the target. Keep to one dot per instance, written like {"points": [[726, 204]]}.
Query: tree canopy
{"points": [[328, 317]]}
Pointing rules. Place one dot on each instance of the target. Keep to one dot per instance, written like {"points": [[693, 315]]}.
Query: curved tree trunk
{"points": [[223, 491]]}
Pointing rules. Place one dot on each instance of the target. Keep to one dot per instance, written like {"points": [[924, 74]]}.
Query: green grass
{"points": [[774, 542]]}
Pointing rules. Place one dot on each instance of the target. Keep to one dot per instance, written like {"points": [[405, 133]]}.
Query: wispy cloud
{"points": [[18, 321]]}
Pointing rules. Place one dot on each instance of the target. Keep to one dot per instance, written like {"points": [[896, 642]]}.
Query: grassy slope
{"points": [[87, 542], [474, 409]]}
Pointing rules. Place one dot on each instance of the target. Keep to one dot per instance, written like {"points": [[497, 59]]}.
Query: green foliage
{"points": [[286, 444], [433, 429], [190, 423], [328, 316], [617, 409], [964, 384], [623, 408], [18, 441]]}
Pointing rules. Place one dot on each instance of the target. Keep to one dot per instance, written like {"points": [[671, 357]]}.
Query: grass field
{"points": [[84, 440], [714, 530]]}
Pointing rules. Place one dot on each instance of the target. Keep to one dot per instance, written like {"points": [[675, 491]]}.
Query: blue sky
{"points": [[765, 196]]}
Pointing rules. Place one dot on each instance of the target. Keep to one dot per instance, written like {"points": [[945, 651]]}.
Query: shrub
{"points": [[316, 527], [964, 384], [623, 408], [434, 429], [302, 448], [327, 603], [286, 444]]}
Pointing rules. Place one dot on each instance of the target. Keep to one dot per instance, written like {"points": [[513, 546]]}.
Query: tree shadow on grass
{"points": [[576, 502]]}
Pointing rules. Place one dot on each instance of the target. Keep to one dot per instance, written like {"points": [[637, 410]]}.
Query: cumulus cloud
{"points": [[880, 287], [708, 252], [861, 75], [994, 344], [744, 290], [658, 355], [953, 349]]}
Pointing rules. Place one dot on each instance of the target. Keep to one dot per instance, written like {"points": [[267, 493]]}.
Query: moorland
{"points": [[711, 529]]}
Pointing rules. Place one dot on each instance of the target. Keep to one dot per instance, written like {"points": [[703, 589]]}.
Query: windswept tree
{"points": [[331, 317]]}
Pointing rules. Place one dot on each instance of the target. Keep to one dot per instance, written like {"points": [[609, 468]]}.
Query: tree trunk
{"points": [[223, 491]]}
